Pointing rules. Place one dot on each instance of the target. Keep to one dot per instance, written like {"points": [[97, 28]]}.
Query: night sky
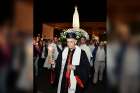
{"points": [[62, 11]]}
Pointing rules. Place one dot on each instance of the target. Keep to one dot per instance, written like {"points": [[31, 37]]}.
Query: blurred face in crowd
{"points": [[55, 39], [44, 43], [50, 41], [96, 43], [101, 44], [83, 41], [71, 43], [59, 42], [91, 42], [38, 35], [34, 41], [37, 38]]}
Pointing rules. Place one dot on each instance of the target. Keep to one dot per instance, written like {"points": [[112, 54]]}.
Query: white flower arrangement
{"points": [[79, 33]]}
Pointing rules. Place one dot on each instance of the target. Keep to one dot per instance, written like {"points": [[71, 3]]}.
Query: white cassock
{"points": [[88, 52]]}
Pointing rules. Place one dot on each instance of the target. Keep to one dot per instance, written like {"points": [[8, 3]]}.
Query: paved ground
{"points": [[44, 87]]}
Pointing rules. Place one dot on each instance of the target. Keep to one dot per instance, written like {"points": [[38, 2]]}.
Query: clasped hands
{"points": [[70, 67], [51, 62]]}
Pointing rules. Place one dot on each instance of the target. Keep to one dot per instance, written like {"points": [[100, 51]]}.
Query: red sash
{"points": [[79, 81]]}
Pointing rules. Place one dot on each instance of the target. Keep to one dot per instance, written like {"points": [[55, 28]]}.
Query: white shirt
{"points": [[88, 52], [91, 47], [100, 55], [60, 46]]}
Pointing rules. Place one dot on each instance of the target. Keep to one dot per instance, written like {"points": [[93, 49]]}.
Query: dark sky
{"points": [[6, 11], [62, 11]]}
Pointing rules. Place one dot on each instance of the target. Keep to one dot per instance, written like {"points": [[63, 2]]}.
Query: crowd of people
{"points": [[95, 57], [16, 73]]}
